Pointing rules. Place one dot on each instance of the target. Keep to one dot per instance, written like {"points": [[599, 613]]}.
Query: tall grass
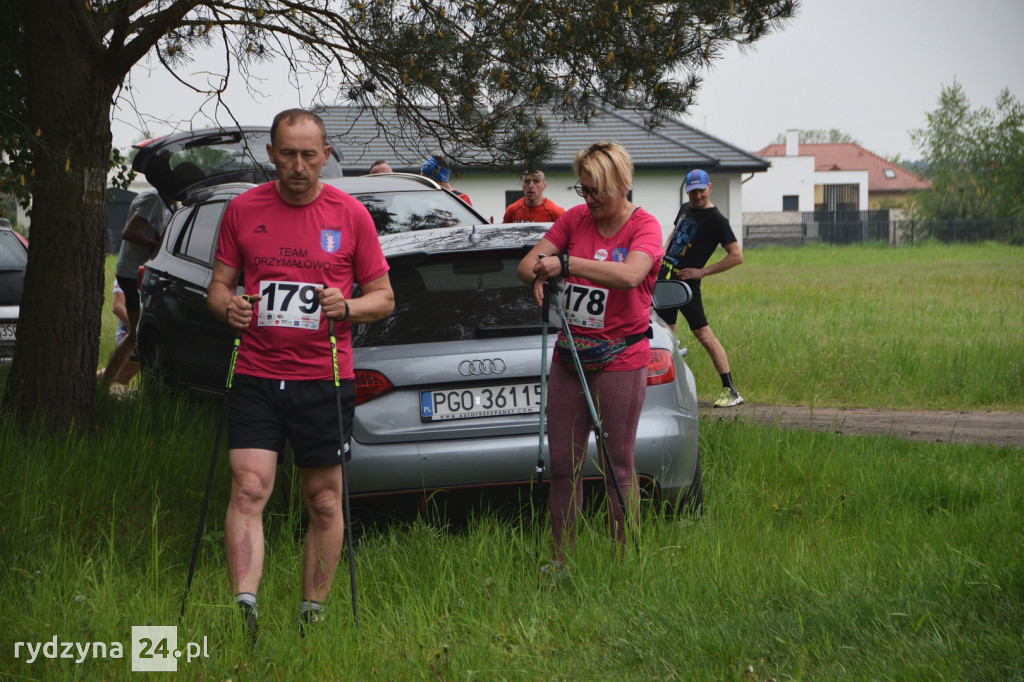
{"points": [[108, 321], [930, 326], [819, 556]]}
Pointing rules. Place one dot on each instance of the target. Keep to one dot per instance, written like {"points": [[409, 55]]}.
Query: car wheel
{"points": [[157, 366], [692, 503]]}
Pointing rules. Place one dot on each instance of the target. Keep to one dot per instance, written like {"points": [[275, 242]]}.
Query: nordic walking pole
{"points": [[543, 384], [539, 471], [599, 433], [209, 475], [344, 471]]}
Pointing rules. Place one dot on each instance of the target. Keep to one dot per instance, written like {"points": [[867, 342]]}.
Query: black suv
{"points": [[179, 340]]}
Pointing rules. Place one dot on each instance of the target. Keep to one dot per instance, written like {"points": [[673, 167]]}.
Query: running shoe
{"points": [[249, 624], [730, 398], [309, 621], [556, 570]]}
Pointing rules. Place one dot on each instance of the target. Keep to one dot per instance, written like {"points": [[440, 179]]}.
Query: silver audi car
{"points": [[449, 385]]}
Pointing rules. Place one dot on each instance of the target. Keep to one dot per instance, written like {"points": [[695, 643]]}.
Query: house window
{"points": [[838, 198], [889, 173], [512, 196], [790, 202]]}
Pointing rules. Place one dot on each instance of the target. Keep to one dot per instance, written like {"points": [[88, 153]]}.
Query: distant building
{"points": [[827, 177]]}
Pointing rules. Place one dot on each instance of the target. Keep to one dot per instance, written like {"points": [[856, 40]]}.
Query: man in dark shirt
{"points": [[700, 228]]}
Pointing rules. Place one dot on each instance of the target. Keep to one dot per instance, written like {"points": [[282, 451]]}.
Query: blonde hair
{"points": [[609, 164]]}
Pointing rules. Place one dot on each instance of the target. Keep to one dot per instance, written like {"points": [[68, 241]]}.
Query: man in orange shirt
{"points": [[533, 207]]}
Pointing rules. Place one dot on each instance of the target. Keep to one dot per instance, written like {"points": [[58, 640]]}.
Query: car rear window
{"points": [[455, 297], [220, 154], [210, 158], [395, 212]]}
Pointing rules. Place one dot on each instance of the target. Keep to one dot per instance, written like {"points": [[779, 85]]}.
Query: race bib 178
{"points": [[585, 306]]}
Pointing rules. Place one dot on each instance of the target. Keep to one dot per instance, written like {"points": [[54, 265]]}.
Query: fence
{"points": [[1010, 230], [773, 234], [832, 227], [855, 227]]}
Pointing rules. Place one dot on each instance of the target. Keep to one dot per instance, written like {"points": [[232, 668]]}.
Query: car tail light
{"points": [[138, 277], [370, 384], [661, 370]]}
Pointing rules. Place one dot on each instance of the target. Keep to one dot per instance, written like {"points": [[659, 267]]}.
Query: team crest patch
{"points": [[330, 240]]}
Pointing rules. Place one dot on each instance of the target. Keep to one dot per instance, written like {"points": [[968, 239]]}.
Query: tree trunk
{"points": [[52, 379]]}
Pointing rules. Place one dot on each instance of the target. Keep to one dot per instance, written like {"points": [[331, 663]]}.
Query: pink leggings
{"points": [[618, 398]]}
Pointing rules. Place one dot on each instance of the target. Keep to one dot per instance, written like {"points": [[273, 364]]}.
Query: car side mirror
{"points": [[670, 293]]}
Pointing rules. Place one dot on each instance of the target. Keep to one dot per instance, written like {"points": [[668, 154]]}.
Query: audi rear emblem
{"points": [[477, 367]]}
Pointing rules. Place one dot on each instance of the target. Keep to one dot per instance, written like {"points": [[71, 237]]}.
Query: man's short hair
{"points": [[294, 116]]}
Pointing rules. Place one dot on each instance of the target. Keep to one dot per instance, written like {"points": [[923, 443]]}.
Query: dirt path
{"points": [[996, 428]]}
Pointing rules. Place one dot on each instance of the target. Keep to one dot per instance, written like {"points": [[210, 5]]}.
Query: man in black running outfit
{"points": [[699, 228]]}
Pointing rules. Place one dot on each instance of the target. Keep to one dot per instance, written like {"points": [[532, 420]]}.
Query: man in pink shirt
{"points": [[301, 244]]}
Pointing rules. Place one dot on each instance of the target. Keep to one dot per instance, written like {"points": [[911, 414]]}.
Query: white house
{"points": [[827, 177], [840, 188], [796, 183]]}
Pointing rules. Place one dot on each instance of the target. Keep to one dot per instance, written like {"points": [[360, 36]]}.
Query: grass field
{"points": [[819, 556], [931, 326]]}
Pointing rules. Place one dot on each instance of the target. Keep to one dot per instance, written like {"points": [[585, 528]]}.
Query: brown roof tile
{"points": [[849, 157]]}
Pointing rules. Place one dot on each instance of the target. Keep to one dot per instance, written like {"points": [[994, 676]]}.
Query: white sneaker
{"points": [[730, 398]]}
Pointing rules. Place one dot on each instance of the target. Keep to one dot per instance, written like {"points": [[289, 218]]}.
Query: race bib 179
{"points": [[289, 304]]}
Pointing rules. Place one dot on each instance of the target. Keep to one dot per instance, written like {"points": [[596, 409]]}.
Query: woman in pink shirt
{"points": [[608, 251]]}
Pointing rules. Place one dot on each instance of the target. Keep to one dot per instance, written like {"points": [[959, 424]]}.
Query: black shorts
{"points": [[692, 311], [130, 287], [263, 413]]}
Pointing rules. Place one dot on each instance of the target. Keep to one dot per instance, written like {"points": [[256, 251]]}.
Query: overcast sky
{"points": [[871, 68]]}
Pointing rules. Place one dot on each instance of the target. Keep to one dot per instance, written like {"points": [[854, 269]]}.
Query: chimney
{"points": [[792, 143]]}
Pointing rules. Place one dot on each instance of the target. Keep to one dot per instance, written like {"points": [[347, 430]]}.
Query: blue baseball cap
{"points": [[433, 168], [696, 179]]}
